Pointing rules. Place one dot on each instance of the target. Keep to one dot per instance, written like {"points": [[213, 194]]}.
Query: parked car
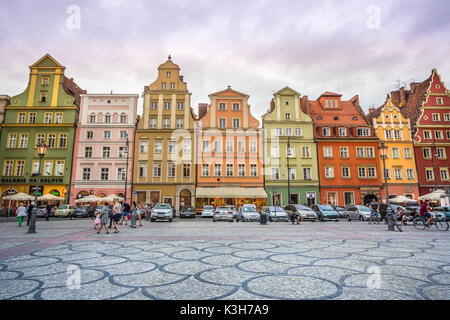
{"points": [[42, 210], [187, 212], [208, 212], [444, 210], [223, 213], [248, 213], [233, 209], [306, 213], [162, 211], [84, 212], [325, 212], [275, 213], [358, 212], [65, 211], [341, 210]]}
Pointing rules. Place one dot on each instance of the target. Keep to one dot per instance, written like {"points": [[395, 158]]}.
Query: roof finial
{"points": [[170, 58]]}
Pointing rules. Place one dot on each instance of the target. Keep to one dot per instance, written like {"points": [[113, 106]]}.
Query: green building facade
{"points": [[286, 125], [46, 111]]}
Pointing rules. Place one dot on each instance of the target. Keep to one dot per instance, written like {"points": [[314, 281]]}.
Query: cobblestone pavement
{"points": [[199, 259]]}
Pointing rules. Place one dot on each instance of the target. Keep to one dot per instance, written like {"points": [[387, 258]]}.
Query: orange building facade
{"points": [[348, 156], [229, 152]]}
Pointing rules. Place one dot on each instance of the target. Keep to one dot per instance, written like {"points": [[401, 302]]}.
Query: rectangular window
{"points": [[32, 118], [395, 153], [230, 170], [387, 174], [62, 141], [253, 148], [388, 134], [446, 116], [359, 152], [241, 146], [59, 170], [86, 173], [274, 152], [172, 85], [8, 168], [48, 118], [307, 174], [329, 172], [397, 134], [278, 132], [122, 151], [180, 123], [88, 152], [448, 134], [345, 172], [186, 170], [410, 174], [429, 172], [206, 146], [154, 105], [123, 119], [123, 134], [45, 81], [35, 167], [158, 147], [363, 132], [107, 134], [436, 117], [157, 170], [408, 153], [218, 146], [89, 134], [235, 106], [143, 147], [222, 106], [342, 132], [398, 173], [236, 123], [222, 123], [40, 138], [166, 105], [217, 170], [275, 174], [92, 118], [438, 135], [180, 106], [43, 97], [290, 152], [292, 174], [370, 153], [241, 170], [166, 123], [152, 123], [163, 85], [205, 170], [328, 152], [186, 147], [58, 117], [288, 132], [427, 134], [440, 153], [298, 132], [444, 174], [344, 152], [20, 167], [172, 147], [230, 146], [426, 153], [104, 174], [306, 152], [22, 117], [12, 138], [326, 132], [23, 144], [439, 100], [142, 170], [287, 116], [171, 170], [106, 152], [254, 170], [51, 140], [121, 174], [362, 172], [371, 172], [48, 168]]}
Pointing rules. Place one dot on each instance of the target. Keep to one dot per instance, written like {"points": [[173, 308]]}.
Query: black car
{"points": [[187, 212], [84, 212]]}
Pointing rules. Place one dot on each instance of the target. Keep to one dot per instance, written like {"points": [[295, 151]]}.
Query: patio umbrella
{"points": [[19, 197], [112, 198], [402, 199], [49, 197], [90, 198], [433, 196]]}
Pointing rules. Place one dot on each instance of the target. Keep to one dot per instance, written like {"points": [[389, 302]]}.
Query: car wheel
{"points": [[320, 218], [361, 218], [171, 220], [152, 220]]}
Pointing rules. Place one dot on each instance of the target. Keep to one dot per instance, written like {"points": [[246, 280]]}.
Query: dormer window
{"points": [[326, 103], [326, 132], [342, 132], [363, 132]]}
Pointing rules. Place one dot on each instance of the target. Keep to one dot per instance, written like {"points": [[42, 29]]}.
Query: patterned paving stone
{"points": [[14, 288]]}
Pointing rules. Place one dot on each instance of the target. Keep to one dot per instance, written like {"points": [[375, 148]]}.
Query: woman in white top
{"points": [[21, 212]]}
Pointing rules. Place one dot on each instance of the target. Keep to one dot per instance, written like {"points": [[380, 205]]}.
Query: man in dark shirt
{"points": [[48, 208], [424, 211], [374, 206], [125, 211]]}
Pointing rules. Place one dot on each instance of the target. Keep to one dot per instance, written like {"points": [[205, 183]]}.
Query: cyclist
{"points": [[424, 211], [374, 207]]}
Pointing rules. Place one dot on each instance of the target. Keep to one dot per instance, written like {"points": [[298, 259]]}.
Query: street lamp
{"points": [[288, 169], [126, 170], [383, 154], [434, 153], [41, 150]]}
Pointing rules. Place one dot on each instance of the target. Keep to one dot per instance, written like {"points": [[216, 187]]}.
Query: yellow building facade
{"points": [[395, 131], [164, 169]]}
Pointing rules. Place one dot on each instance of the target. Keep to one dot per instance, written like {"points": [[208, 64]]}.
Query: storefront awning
{"points": [[256, 193]]}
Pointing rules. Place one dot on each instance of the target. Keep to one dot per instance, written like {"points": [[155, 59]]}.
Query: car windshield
{"points": [[340, 208], [162, 206], [222, 209], [208, 208], [188, 209], [362, 208], [63, 207], [248, 209], [278, 209], [303, 208], [81, 208], [326, 207]]}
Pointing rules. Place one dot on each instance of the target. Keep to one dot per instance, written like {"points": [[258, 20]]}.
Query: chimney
{"points": [[402, 96], [202, 110], [371, 110], [181, 78]]}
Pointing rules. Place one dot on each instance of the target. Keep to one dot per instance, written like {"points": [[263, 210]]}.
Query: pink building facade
{"points": [[106, 123]]}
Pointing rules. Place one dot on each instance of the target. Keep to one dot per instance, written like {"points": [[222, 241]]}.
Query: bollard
{"points": [[263, 219]]}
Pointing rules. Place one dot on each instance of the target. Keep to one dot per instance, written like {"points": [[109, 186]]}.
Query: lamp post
{"points": [[434, 154], [383, 154], [288, 169], [126, 170], [41, 150]]}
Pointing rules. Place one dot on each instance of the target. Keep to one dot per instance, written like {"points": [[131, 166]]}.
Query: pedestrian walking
{"points": [[21, 212], [30, 211], [48, 210], [134, 213], [104, 218], [97, 221], [125, 212], [140, 212]]}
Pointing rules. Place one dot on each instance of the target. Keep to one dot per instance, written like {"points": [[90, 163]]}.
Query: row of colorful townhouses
{"points": [[303, 151]]}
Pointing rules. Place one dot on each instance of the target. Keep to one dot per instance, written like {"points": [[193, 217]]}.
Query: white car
{"points": [[248, 213], [208, 212], [276, 213], [161, 211], [358, 212], [223, 213]]}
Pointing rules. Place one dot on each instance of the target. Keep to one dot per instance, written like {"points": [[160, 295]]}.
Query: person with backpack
{"points": [[125, 212]]}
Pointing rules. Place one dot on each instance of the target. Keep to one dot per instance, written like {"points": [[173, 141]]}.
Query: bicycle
{"points": [[420, 223], [394, 220], [372, 218]]}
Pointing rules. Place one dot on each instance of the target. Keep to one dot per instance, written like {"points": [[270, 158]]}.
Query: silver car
{"points": [[162, 211], [208, 212], [358, 212], [276, 213], [248, 214], [233, 209], [306, 213], [223, 213]]}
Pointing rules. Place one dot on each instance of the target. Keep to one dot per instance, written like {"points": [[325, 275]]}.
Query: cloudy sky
{"points": [[257, 47]]}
